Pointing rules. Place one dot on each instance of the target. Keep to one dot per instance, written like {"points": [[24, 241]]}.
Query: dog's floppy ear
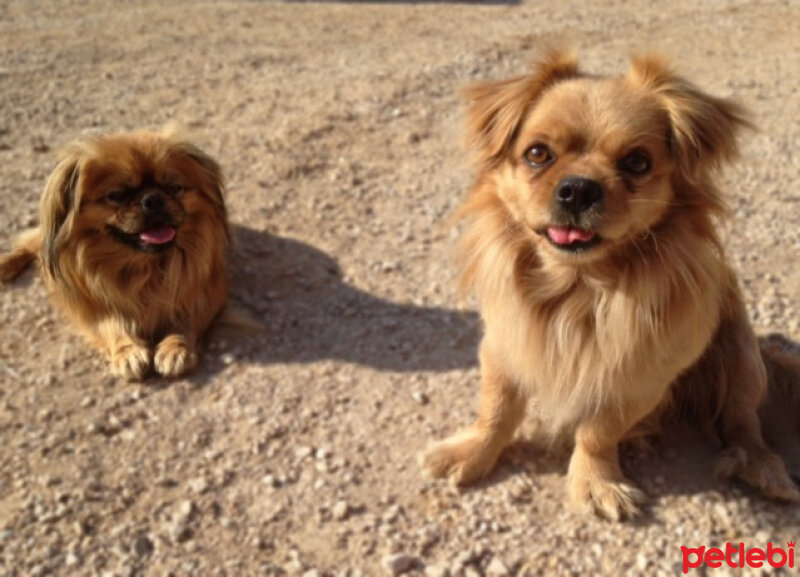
{"points": [[58, 200], [496, 108], [703, 128], [212, 177]]}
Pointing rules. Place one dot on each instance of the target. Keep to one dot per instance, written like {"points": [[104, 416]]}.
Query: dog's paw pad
{"points": [[131, 362], [174, 357], [462, 458], [614, 500]]}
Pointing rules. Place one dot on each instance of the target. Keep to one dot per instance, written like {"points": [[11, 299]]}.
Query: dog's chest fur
{"points": [[589, 346], [149, 295]]}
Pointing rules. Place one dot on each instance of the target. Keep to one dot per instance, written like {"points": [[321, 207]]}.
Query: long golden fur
{"points": [[132, 246], [589, 239]]}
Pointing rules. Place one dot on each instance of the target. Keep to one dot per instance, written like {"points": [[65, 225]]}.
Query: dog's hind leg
{"points": [[747, 455]]}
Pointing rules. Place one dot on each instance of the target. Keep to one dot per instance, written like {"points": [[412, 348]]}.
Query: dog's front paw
{"points": [[614, 499], [174, 356], [130, 362], [465, 457], [761, 469]]}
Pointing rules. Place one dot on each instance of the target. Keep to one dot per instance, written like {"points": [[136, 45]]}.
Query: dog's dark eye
{"points": [[539, 155], [173, 188], [117, 196], [636, 163]]}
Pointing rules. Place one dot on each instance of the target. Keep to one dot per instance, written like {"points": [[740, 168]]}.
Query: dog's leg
{"points": [[780, 413], [175, 355], [129, 355], [595, 481], [747, 455], [471, 453], [748, 458]]}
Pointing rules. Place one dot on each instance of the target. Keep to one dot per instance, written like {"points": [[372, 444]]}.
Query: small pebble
{"points": [[180, 533], [303, 452], [496, 568], [185, 511], [72, 559], [340, 511], [437, 571], [199, 485], [399, 563], [142, 545]]}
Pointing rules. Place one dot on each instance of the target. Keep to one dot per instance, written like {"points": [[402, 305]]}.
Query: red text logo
{"points": [[714, 557]]}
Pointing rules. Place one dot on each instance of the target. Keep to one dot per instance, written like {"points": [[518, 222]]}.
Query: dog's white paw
{"points": [[463, 458], [130, 362], [610, 498], [174, 357]]}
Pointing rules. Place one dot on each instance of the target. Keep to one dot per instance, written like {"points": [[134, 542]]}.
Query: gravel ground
{"points": [[293, 452]]}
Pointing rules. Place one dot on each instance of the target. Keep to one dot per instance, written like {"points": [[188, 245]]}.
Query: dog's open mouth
{"points": [[571, 239], [151, 240]]}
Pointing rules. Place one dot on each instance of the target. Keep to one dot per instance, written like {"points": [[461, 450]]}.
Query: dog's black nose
{"points": [[152, 202], [577, 194]]}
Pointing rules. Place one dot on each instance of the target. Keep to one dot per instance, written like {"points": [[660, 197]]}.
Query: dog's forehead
{"points": [[125, 158], [596, 108]]}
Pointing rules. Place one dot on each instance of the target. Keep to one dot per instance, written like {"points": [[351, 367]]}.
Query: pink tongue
{"points": [[566, 235], [158, 235]]}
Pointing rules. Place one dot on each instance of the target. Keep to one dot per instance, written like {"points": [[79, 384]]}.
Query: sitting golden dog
{"points": [[590, 241], [132, 242]]}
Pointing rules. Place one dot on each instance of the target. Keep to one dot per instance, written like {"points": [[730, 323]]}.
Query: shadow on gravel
{"points": [[678, 462], [310, 313], [682, 462]]}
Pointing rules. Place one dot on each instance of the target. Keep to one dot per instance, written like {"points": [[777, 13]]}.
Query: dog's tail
{"points": [[25, 251]]}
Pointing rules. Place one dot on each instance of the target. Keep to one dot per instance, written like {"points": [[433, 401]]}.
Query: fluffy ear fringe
{"points": [[703, 128], [56, 206], [213, 177], [497, 108]]}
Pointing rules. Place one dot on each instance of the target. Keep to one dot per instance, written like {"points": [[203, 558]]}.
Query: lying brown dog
{"points": [[132, 245]]}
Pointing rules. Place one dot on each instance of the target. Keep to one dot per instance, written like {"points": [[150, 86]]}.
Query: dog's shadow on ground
{"points": [[310, 313]]}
